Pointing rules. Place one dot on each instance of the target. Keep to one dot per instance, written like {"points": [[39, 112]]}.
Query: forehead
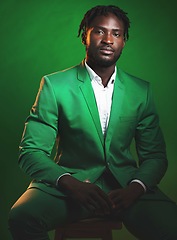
{"points": [[109, 21]]}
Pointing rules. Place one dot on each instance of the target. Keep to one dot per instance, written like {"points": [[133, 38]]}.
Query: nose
{"points": [[107, 38]]}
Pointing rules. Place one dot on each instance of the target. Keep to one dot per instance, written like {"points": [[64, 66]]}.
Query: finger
{"points": [[115, 197], [93, 207], [106, 198], [114, 193], [93, 203], [103, 204], [89, 207]]}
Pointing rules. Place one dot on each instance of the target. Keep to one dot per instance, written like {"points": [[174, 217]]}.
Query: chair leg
{"points": [[59, 235], [107, 235]]}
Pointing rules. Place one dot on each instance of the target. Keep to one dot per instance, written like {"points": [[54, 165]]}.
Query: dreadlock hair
{"points": [[103, 10]]}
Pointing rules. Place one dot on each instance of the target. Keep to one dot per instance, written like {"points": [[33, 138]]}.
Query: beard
{"points": [[102, 60]]}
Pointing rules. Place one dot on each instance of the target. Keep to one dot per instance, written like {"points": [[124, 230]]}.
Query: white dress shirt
{"points": [[103, 96]]}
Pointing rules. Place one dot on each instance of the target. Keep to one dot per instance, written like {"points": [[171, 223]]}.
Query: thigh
{"points": [[50, 210], [155, 220]]}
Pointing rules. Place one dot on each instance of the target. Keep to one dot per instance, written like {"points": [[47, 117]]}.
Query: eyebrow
{"points": [[104, 28]]}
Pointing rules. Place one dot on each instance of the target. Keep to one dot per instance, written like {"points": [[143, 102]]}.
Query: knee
{"points": [[23, 224], [21, 216], [16, 217]]}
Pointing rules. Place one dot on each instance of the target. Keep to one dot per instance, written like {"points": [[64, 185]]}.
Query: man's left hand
{"points": [[123, 198]]}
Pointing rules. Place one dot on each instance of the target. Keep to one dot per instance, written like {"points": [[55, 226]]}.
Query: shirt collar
{"points": [[95, 77]]}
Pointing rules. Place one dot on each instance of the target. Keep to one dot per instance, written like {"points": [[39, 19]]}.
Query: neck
{"points": [[104, 73]]}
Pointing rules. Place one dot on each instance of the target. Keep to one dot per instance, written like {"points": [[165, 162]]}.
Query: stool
{"points": [[88, 228]]}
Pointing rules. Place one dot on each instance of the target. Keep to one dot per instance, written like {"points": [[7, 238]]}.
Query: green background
{"points": [[38, 37]]}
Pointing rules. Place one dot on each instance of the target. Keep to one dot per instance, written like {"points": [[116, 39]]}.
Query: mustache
{"points": [[107, 47]]}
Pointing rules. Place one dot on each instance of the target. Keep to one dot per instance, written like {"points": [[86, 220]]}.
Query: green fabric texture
{"points": [[65, 109]]}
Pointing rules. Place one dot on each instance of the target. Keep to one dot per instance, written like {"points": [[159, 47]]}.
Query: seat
{"points": [[88, 228]]}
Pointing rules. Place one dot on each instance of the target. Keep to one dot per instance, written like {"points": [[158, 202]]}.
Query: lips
{"points": [[106, 50]]}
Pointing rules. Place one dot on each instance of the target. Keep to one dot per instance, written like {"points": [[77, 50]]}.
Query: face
{"points": [[104, 41]]}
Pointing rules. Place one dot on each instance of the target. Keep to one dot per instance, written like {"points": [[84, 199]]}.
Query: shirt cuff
{"points": [[141, 183], [58, 179]]}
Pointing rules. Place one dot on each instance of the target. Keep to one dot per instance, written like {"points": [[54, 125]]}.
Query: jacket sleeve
{"points": [[39, 137], [150, 146]]}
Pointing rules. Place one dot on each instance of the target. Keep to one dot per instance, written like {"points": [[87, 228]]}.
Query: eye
{"points": [[116, 34], [99, 32]]}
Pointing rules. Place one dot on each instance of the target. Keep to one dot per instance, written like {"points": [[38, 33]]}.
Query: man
{"points": [[94, 110]]}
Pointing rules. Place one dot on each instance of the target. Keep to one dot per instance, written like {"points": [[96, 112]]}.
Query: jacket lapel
{"points": [[118, 96], [88, 94]]}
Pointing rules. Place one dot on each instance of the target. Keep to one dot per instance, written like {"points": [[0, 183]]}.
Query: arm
{"points": [[37, 142], [39, 137], [150, 146], [152, 158]]}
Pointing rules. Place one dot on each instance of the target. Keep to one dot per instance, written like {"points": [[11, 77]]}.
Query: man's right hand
{"points": [[87, 194]]}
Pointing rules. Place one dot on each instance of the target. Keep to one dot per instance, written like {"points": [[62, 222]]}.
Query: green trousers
{"points": [[37, 212]]}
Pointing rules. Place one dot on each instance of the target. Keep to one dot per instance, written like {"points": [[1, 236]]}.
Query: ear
{"points": [[84, 38], [124, 43]]}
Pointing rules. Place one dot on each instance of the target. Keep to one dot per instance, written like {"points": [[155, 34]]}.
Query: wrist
{"points": [[136, 189], [58, 179], [66, 183], [140, 182]]}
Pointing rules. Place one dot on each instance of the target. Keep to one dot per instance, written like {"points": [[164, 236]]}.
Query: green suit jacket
{"points": [[65, 109]]}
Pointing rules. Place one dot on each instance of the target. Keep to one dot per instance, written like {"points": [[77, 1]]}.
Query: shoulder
{"points": [[63, 74], [62, 79], [132, 81]]}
